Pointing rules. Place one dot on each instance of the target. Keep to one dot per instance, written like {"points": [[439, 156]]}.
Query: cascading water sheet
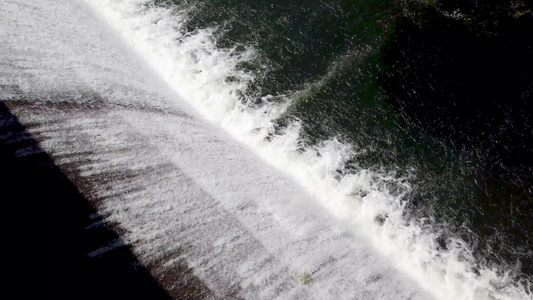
{"points": [[302, 87]]}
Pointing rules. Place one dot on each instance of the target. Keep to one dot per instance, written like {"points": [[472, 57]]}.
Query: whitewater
{"points": [[289, 226]]}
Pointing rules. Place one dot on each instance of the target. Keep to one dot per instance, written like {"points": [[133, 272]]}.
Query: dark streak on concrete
{"points": [[86, 257]]}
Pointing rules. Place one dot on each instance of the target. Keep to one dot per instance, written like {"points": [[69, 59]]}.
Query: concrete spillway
{"points": [[199, 211]]}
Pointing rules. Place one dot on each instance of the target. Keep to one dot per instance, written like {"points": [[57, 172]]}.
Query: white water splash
{"points": [[193, 65]]}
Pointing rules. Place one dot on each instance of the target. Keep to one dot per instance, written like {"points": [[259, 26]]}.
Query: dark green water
{"points": [[441, 96]]}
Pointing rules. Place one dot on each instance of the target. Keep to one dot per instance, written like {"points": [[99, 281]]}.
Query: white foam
{"points": [[197, 69]]}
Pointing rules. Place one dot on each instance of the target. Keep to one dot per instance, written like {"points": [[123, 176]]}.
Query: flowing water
{"points": [[414, 131]]}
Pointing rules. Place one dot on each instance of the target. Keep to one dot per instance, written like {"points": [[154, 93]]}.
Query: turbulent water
{"points": [[401, 119], [389, 121]]}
